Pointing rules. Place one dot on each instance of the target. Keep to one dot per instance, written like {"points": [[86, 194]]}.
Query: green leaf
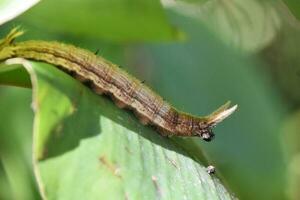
{"points": [[16, 174], [115, 20], [294, 7], [247, 25], [14, 75], [9, 9], [87, 148]]}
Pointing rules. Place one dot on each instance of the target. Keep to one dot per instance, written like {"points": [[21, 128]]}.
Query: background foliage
{"points": [[197, 55]]}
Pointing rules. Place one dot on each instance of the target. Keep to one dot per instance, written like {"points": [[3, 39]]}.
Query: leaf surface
{"points": [[87, 148], [115, 20]]}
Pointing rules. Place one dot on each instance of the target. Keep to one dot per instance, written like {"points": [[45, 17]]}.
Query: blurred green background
{"points": [[197, 54]]}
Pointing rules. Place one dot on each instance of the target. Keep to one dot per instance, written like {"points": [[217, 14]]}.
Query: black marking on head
{"points": [[204, 131], [207, 135]]}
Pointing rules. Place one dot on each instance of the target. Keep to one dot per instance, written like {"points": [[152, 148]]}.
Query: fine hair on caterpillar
{"points": [[104, 77]]}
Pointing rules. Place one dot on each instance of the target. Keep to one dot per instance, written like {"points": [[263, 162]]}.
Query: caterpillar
{"points": [[107, 78]]}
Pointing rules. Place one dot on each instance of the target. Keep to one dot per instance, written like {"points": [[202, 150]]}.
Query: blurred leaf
{"points": [[189, 1], [291, 134], [203, 73], [283, 63], [87, 148], [248, 25], [114, 20], [294, 177], [5, 190], [291, 143], [16, 119], [14, 75], [9, 9], [294, 7]]}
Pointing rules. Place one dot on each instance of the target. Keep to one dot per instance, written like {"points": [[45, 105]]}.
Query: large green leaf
{"points": [[114, 20], [87, 148]]}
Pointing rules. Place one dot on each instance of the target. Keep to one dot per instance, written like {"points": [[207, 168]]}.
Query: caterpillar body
{"points": [[107, 78]]}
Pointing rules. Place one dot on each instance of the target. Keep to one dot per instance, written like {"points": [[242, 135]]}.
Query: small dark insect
{"points": [[210, 169]]}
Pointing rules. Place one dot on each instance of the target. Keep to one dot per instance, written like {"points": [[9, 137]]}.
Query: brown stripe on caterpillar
{"points": [[126, 91]]}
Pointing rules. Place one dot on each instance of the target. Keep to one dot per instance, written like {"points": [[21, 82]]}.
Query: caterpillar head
{"points": [[206, 133], [205, 126]]}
